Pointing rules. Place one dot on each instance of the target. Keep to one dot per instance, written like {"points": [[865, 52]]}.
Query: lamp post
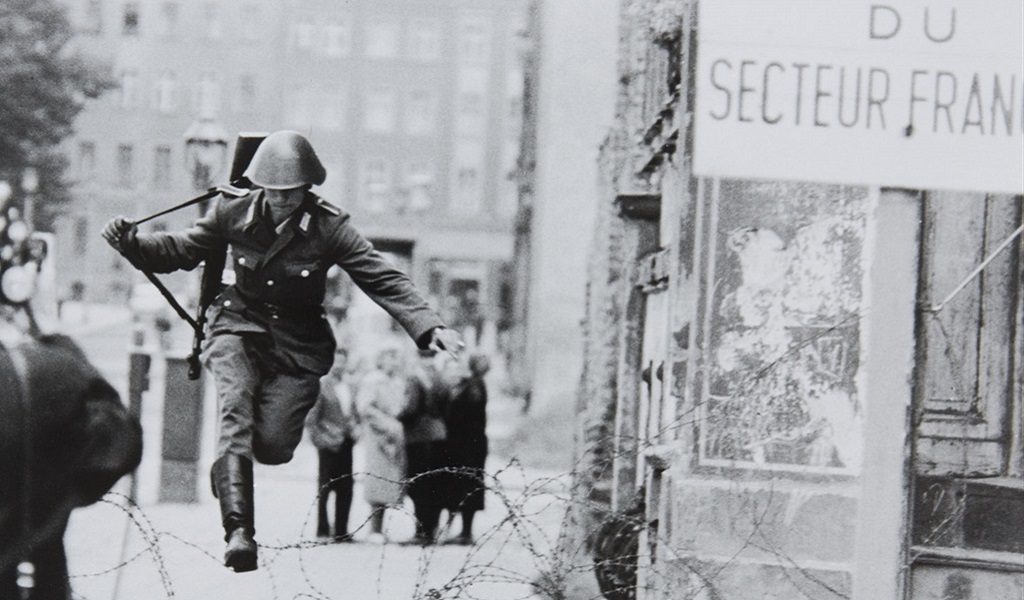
{"points": [[206, 148], [206, 145], [30, 185]]}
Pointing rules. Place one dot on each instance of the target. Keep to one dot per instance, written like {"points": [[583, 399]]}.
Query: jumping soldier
{"points": [[269, 340]]}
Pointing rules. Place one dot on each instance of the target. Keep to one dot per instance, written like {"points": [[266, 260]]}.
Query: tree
{"points": [[45, 84]]}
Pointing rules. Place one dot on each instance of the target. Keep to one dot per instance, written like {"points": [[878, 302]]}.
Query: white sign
{"points": [[901, 93]]}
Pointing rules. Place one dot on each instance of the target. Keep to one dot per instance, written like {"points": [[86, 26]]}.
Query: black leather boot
{"points": [[232, 482]]}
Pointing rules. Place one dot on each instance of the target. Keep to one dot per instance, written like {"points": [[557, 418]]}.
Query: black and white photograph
{"points": [[511, 300]]}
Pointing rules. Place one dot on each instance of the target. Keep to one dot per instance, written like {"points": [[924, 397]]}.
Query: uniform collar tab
{"points": [[250, 216]]}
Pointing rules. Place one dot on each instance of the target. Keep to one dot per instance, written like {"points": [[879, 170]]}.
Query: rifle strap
{"points": [[166, 293]]}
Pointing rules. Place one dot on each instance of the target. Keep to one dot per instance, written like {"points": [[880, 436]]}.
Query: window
{"points": [[92, 22], [425, 40], [125, 165], [299, 109], [514, 81], [129, 89], [164, 92], [332, 111], [211, 20], [333, 187], [169, 19], [302, 34], [508, 195], [86, 161], [508, 186], [162, 166], [467, 177], [474, 39], [376, 185], [471, 118], [130, 19], [208, 94], [419, 182], [339, 38], [382, 39], [245, 99], [380, 111], [420, 112], [468, 191], [82, 235]]}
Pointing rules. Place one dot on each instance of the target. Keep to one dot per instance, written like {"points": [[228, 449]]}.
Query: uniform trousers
{"points": [[262, 401]]}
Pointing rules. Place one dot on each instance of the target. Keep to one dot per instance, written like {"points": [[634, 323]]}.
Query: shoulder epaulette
{"points": [[230, 190], [327, 206]]}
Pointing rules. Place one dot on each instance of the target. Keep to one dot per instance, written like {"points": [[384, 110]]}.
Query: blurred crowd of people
{"points": [[420, 426]]}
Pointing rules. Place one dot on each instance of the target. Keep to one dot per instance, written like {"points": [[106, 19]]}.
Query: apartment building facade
{"points": [[414, 108]]}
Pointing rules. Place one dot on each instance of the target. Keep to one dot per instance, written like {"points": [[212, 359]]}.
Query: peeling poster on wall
{"points": [[783, 338]]}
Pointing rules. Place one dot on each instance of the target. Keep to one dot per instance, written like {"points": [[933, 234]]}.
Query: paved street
{"points": [[173, 550]]}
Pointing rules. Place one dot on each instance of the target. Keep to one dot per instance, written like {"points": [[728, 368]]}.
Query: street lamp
{"points": [[30, 185], [206, 149], [206, 145]]}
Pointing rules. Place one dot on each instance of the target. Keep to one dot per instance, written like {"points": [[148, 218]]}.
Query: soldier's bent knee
{"points": [[272, 454]]}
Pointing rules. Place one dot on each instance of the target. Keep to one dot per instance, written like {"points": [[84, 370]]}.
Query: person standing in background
{"points": [[333, 425], [465, 449], [380, 399], [424, 435]]}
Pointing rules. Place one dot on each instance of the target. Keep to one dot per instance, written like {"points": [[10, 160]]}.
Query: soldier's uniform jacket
{"points": [[280, 274]]}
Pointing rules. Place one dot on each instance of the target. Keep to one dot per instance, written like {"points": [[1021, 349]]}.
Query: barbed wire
{"points": [[662, 557]]}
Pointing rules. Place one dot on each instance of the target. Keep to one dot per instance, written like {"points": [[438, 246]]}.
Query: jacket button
{"points": [[270, 282], [305, 273], [241, 260], [227, 303], [274, 316]]}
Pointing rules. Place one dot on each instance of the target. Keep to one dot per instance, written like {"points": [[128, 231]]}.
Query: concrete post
{"points": [[182, 423], [890, 295], [139, 362]]}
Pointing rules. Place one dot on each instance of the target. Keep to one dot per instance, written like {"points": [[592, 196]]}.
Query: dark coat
{"points": [[427, 400], [280, 275], [81, 441], [424, 435], [465, 449]]}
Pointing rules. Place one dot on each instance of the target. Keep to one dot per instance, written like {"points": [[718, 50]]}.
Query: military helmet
{"points": [[285, 160]]}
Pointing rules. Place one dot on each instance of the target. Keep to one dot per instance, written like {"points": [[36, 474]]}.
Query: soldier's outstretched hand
{"points": [[120, 232], [446, 340]]}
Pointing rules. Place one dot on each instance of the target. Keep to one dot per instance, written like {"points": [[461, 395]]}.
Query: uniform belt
{"points": [[296, 312]]}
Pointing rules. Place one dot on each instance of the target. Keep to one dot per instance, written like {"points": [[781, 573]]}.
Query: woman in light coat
{"points": [[380, 399]]}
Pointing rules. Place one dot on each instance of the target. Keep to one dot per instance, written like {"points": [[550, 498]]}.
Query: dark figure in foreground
{"points": [[424, 438], [269, 340], [65, 439], [332, 426], [465, 449]]}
